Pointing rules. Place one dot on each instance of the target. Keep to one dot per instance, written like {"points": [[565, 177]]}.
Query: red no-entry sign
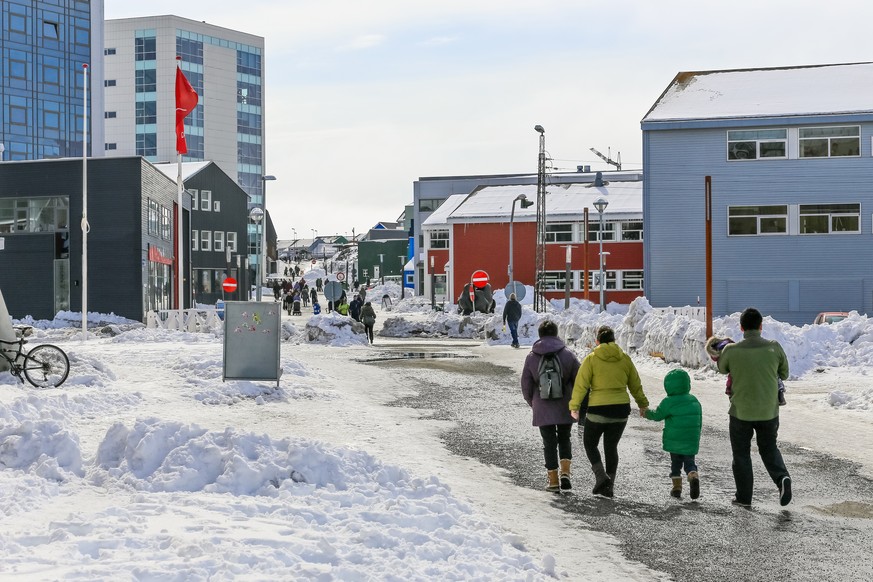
{"points": [[479, 279], [229, 285]]}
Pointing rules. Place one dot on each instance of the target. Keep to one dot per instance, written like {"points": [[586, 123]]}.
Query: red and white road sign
{"points": [[229, 285], [479, 279], [314, 261], [340, 276]]}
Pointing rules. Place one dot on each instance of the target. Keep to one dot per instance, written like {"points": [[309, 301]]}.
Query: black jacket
{"points": [[512, 311]]}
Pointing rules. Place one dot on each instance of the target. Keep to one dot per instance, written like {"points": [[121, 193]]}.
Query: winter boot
{"points": [[693, 481], [554, 486], [601, 480], [565, 474], [608, 489], [677, 487]]}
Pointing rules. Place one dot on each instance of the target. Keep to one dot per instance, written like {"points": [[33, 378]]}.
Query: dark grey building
{"points": [[131, 259]]}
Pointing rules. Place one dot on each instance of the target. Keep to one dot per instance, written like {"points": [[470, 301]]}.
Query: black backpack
{"points": [[551, 378]]}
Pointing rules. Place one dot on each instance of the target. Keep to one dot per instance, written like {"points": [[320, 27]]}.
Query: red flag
{"points": [[186, 101]]}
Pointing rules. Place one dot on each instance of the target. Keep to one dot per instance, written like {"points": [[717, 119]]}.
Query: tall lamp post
{"points": [[525, 203], [600, 204], [263, 255], [539, 298], [257, 215]]}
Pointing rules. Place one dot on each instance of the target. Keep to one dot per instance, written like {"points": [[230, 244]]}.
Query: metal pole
{"points": [[511, 222], [586, 287], [569, 260], [602, 281], [539, 299], [432, 286], [85, 226], [708, 192]]}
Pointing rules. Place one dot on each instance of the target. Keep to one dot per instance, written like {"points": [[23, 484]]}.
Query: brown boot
{"points": [[677, 487], [554, 486], [694, 482], [565, 474]]}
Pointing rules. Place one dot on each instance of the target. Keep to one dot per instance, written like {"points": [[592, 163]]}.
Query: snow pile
{"points": [[334, 329]]}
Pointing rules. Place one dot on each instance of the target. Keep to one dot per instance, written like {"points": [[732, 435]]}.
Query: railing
{"points": [[193, 320], [698, 313]]}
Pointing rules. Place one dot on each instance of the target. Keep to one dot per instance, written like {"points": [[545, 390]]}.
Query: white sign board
{"points": [[252, 331]]}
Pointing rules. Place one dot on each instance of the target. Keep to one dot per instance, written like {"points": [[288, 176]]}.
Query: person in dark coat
{"points": [[552, 416], [511, 316], [355, 308], [368, 318], [313, 295]]}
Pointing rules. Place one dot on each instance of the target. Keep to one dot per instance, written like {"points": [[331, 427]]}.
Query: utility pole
{"points": [[608, 160], [539, 299]]}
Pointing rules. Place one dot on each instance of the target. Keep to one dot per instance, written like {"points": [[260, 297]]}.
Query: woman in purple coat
{"points": [[552, 416]]}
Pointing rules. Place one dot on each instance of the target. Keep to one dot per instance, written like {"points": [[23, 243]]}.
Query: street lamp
{"points": [[257, 215], [432, 286], [525, 203], [600, 204], [263, 255]]}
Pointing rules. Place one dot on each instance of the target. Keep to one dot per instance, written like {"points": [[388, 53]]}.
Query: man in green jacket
{"points": [[755, 365]]}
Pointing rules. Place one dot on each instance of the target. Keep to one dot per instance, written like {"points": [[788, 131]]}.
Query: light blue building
{"points": [[788, 151], [43, 45]]}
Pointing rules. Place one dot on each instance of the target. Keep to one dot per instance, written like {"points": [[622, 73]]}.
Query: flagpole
{"points": [[85, 226], [179, 189]]}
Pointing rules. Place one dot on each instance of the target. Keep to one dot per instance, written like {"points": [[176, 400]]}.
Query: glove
{"points": [[504, 329]]}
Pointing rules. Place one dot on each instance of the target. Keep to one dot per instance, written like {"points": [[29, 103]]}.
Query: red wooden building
{"points": [[473, 231]]}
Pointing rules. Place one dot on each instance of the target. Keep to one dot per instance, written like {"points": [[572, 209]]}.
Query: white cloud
{"points": [[362, 42]]}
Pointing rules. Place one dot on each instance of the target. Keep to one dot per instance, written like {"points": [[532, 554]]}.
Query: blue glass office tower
{"points": [[43, 45]]}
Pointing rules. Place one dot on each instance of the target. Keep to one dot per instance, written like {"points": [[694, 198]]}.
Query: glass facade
{"points": [[44, 44], [146, 90]]}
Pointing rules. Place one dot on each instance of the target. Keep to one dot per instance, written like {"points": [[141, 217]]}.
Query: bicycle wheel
{"points": [[46, 366]]}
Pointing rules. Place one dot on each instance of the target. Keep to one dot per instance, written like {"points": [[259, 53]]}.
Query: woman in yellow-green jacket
{"points": [[604, 379]]}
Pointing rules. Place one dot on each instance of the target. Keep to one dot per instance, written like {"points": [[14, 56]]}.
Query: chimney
{"points": [[598, 180]]}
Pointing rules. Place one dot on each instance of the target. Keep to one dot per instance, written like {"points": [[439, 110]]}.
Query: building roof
{"points": [[773, 92], [563, 202], [188, 169]]}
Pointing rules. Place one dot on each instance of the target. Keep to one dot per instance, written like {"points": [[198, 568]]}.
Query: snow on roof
{"points": [[188, 169], [440, 216], [786, 91], [564, 201]]}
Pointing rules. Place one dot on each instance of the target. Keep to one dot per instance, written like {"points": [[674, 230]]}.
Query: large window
{"points": [[753, 220], [145, 49], [632, 280], [206, 200], [205, 240], [218, 239], [429, 204], [754, 144], [829, 218], [594, 228], [594, 280], [632, 230], [44, 214], [559, 232], [824, 142], [146, 80], [166, 223], [439, 239], [555, 280], [154, 221], [231, 241], [146, 112]]}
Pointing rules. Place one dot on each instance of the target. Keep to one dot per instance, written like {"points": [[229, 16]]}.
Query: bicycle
{"points": [[45, 366]]}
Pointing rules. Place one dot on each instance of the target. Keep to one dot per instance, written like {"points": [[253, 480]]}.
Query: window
{"points": [[146, 112], [218, 239], [829, 218], [231, 241], [17, 23], [429, 204], [439, 239], [195, 238], [17, 115], [632, 280], [559, 233], [594, 228], [632, 231], [216, 206], [752, 220], [154, 220], [109, 83], [166, 223], [146, 81], [18, 69], [50, 30], [109, 51], [555, 280], [45, 214], [594, 280], [144, 49], [206, 200], [823, 142], [110, 146], [754, 144], [205, 240], [110, 115]]}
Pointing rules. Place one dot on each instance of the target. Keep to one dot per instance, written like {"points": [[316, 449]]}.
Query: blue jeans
{"points": [[556, 444], [678, 462], [513, 331], [741, 445]]}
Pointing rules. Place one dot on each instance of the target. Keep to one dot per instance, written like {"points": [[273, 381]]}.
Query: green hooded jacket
{"points": [[681, 413], [754, 365], [609, 373]]}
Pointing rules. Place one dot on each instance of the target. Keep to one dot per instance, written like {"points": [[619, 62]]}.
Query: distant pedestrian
{"points": [[511, 317], [313, 296], [551, 416], [316, 308], [355, 308], [368, 318], [683, 419], [755, 365]]}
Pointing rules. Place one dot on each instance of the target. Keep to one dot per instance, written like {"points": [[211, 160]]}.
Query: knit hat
{"points": [[677, 381]]}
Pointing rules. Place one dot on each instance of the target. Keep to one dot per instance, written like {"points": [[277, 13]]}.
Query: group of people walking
{"points": [[597, 392]]}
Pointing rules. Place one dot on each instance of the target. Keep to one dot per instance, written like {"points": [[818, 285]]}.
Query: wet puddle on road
{"points": [[854, 509], [413, 356]]}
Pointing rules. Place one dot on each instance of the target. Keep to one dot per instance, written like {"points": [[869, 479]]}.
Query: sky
{"points": [[363, 98], [146, 465]]}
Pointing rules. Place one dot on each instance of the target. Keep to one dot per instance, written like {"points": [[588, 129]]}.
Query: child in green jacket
{"points": [[683, 420]]}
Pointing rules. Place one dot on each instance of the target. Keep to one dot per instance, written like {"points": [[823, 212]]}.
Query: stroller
{"points": [[296, 305]]}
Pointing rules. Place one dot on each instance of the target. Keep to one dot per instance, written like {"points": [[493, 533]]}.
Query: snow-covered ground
{"points": [[145, 465]]}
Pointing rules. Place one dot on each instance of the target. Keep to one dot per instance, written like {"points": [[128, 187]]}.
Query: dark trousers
{"points": [[556, 444], [678, 462], [766, 432], [611, 433], [369, 331]]}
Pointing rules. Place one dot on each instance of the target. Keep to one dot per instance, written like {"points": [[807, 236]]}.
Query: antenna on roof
{"points": [[607, 159]]}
